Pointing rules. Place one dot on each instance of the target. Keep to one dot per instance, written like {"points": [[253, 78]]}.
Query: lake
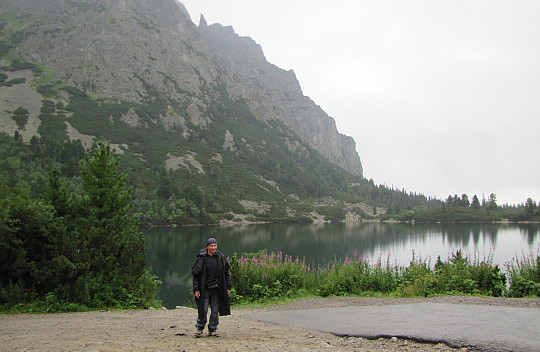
{"points": [[172, 251]]}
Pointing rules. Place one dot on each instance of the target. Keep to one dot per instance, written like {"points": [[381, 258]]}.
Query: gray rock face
{"points": [[129, 50], [274, 93]]}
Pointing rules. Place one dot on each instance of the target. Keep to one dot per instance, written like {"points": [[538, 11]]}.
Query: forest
{"points": [[72, 251], [166, 197]]}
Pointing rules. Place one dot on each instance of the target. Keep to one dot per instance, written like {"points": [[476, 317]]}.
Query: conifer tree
{"points": [[107, 231], [492, 202], [56, 194], [475, 202]]}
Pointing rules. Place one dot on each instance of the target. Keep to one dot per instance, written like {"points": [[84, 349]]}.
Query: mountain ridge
{"points": [[114, 33], [204, 124]]}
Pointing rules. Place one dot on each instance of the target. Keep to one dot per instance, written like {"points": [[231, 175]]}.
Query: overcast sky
{"points": [[441, 97]]}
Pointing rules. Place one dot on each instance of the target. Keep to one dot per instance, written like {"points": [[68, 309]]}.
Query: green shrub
{"points": [[260, 276], [20, 115], [524, 276], [18, 80], [461, 274]]}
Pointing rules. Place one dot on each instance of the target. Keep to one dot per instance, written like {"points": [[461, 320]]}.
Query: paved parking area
{"points": [[489, 328]]}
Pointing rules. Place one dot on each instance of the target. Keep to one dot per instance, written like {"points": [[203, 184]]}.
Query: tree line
{"points": [[461, 209], [463, 201]]}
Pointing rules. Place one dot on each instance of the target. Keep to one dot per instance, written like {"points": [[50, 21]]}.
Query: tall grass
{"points": [[354, 275], [259, 276], [524, 275]]}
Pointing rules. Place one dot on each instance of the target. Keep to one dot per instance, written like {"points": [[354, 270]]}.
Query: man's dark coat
{"points": [[199, 280]]}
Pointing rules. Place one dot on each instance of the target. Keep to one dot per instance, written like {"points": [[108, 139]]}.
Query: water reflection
{"points": [[172, 252]]}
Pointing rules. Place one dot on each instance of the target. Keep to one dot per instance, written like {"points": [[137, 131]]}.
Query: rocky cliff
{"points": [[141, 50]]}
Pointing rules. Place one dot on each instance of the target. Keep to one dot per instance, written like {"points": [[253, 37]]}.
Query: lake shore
{"points": [[173, 330]]}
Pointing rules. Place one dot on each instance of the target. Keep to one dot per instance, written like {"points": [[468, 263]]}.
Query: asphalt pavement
{"points": [[487, 328]]}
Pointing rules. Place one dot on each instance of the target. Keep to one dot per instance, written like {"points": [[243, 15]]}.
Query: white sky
{"points": [[441, 97]]}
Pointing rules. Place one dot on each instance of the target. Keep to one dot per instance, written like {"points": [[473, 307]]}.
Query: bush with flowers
{"points": [[260, 276]]}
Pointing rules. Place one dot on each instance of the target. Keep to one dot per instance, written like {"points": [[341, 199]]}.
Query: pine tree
{"points": [[56, 194], [107, 232], [475, 202], [465, 200], [530, 208], [492, 202]]}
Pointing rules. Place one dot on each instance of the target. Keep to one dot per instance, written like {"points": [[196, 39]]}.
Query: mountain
{"points": [[205, 127]]}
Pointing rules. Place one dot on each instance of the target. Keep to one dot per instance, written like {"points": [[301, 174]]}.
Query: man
{"points": [[211, 286]]}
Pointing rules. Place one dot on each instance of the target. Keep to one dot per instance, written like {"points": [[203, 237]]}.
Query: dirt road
{"points": [[172, 330]]}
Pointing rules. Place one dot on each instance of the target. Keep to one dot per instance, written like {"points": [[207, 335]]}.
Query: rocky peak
{"points": [[202, 22]]}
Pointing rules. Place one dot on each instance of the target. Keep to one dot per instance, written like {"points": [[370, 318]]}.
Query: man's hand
{"points": [[197, 294], [229, 292]]}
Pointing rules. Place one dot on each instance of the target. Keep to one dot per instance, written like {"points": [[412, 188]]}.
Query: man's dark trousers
{"points": [[211, 299]]}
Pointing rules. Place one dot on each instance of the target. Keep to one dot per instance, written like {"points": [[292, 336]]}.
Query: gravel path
{"points": [[172, 330]]}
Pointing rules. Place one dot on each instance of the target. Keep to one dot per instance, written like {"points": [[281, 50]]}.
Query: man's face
{"points": [[211, 248]]}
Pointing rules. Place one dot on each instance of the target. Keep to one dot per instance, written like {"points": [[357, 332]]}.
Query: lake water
{"points": [[172, 251]]}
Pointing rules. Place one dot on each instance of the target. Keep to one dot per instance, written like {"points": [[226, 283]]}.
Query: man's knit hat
{"points": [[210, 241]]}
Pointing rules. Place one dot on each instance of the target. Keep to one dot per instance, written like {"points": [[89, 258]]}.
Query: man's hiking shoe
{"points": [[212, 333], [198, 333]]}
